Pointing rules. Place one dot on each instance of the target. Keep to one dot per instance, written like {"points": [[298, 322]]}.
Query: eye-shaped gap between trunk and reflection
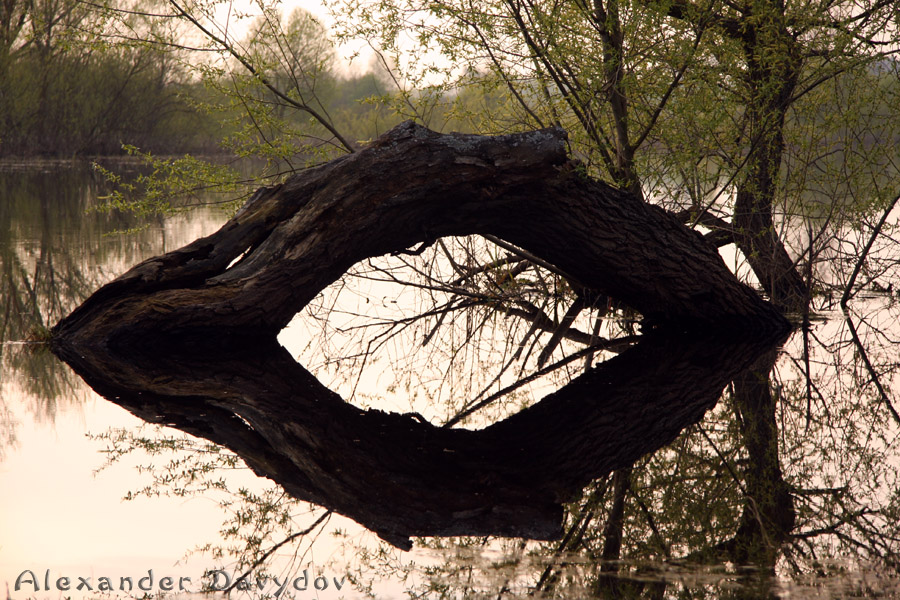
{"points": [[146, 340]]}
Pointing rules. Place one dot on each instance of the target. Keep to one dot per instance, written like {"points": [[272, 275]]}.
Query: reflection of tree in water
{"points": [[800, 486], [716, 495], [788, 473], [793, 468], [52, 254], [40, 279], [846, 416]]}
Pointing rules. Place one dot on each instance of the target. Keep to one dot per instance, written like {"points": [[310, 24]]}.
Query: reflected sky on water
{"points": [[55, 512]]}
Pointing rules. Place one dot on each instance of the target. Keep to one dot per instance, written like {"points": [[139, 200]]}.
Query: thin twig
{"points": [[274, 548], [862, 257], [605, 344], [865, 358]]}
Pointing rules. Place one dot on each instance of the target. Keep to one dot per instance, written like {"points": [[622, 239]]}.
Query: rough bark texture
{"points": [[773, 68], [412, 186], [402, 477]]}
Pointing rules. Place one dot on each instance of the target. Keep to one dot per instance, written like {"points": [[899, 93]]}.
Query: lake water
{"points": [[818, 435]]}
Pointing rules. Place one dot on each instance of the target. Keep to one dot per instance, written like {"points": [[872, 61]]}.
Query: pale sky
{"points": [[237, 28]]}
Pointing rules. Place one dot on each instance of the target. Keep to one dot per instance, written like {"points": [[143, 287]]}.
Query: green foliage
{"points": [[70, 92], [677, 102], [170, 185], [39, 334]]}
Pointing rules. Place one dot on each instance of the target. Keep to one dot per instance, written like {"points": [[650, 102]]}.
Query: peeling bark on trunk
{"points": [[408, 187]]}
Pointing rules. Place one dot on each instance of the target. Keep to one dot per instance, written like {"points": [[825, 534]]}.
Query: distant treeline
{"points": [[61, 96], [91, 102]]}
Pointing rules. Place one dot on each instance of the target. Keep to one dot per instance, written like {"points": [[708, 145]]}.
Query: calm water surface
{"points": [[837, 457], [56, 513]]}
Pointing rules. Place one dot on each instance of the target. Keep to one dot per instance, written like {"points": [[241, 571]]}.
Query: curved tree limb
{"points": [[411, 186]]}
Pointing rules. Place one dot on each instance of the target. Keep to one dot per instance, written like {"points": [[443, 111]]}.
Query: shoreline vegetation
{"points": [[31, 162], [55, 125], [73, 85]]}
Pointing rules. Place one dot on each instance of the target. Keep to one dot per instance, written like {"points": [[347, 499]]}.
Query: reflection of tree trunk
{"points": [[768, 517], [412, 186], [608, 584], [615, 522], [400, 476]]}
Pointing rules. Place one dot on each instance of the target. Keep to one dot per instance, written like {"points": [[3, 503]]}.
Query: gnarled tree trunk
{"points": [[132, 339], [411, 186]]}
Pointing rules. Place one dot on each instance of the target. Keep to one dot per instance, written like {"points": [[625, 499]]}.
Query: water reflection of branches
{"points": [[52, 254], [39, 284], [843, 458], [453, 302]]}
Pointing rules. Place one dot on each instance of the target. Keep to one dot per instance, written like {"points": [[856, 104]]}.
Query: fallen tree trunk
{"points": [[132, 340], [413, 186]]}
